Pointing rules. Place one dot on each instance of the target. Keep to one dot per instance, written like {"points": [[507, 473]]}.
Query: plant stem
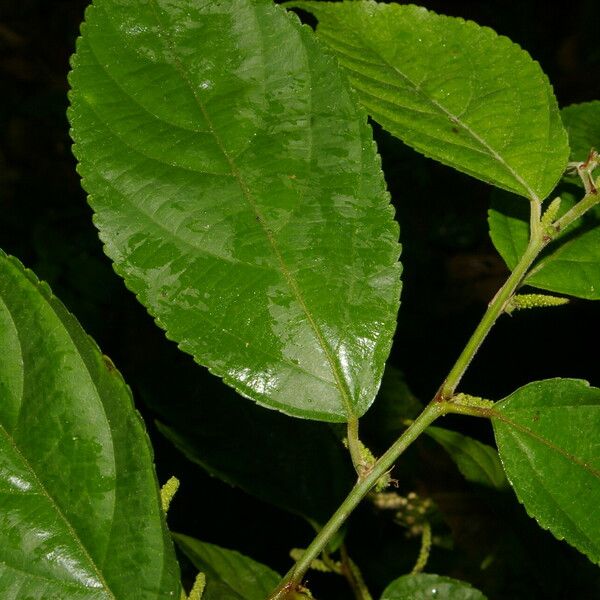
{"points": [[537, 240], [587, 202], [354, 445], [535, 218], [293, 578], [442, 402], [471, 411], [494, 310]]}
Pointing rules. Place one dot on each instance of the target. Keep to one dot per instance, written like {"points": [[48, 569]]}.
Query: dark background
{"points": [[450, 272]]}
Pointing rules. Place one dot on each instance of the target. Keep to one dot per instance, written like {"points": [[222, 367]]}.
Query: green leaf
{"points": [[425, 587], [478, 462], [547, 435], [569, 265], [229, 574], [582, 122], [237, 188], [80, 513], [453, 90]]}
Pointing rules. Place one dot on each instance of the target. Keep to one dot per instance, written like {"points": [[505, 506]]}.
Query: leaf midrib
{"points": [[550, 495], [495, 414], [291, 282], [453, 118], [179, 240], [156, 223], [38, 482], [59, 512]]}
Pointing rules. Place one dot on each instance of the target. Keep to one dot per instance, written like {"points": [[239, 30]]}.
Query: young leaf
{"points": [[237, 188], [570, 265], [453, 90], [229, 574], [547, 435], [80, 513], [478, 462], [582, 122], [425, 587]]}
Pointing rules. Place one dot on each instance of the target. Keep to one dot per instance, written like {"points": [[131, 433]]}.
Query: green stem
{"points": [[535, 218], [354, 445], [291, 581], [537, 240], [494, 310], [441, 403], [587, 202], [471, 411]]}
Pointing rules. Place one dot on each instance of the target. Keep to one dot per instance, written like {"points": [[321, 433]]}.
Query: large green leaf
{"points": [[453, 90], [237, 188], [547, 434], [477, 461], [229, 574], [80, 515], [425, 587], [571, 264]]}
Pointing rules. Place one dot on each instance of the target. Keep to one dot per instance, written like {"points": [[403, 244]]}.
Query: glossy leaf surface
{"points": [[229, 574], [237, 188], [571, 264], [427, 587], [478, 462], [547, 435], [453, 90], [80, 514]]}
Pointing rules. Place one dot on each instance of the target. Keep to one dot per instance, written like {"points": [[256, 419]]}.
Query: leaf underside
{"points": [[238, 191], [451, 89], [80, 515], [547, 435], [478, 462], [229, 574]]}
